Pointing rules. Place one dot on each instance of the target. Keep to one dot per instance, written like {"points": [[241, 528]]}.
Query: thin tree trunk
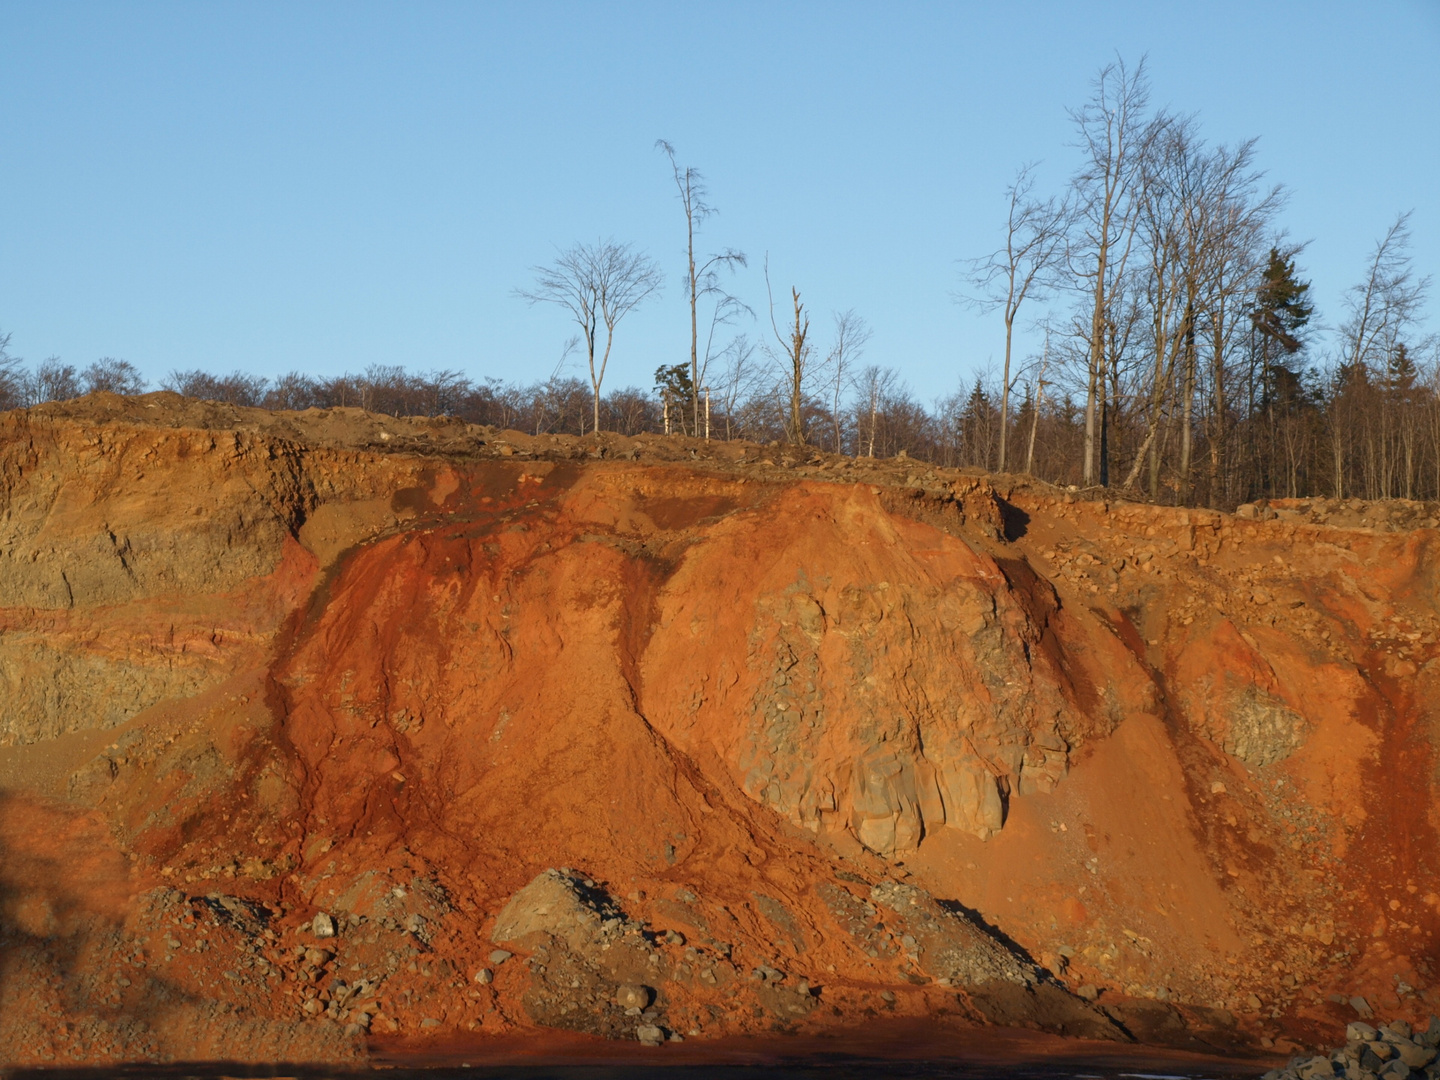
{"points": [[1187, 404], [1005, 390], [1034, 425]]}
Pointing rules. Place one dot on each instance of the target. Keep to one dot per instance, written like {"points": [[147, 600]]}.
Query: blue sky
{"points": [[326, 186]]}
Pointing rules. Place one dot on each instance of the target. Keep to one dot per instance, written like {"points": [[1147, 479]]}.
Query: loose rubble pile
{"points": [[1393, 1051], [595, 969]]}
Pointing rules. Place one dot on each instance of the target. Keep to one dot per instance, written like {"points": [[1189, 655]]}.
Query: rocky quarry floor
{"points": [[332, 737]]}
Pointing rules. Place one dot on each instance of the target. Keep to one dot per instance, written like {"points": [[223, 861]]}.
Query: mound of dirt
{"points": [[338, 733]]}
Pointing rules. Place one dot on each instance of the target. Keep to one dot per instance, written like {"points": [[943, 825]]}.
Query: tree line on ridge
{"points": [[1183, 357]]}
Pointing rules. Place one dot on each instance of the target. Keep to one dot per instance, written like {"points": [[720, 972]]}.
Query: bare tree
{"points": [[1168, 214], [726, 311], [112, 375], [598, 285], [12, 389], [1379, 312], [1036, 405], [876, 384], [738, 379], [851, 336], [1114, 137], [795, 357], [702, 280], [1237, 218], [1035, 236], [1382, 307]]}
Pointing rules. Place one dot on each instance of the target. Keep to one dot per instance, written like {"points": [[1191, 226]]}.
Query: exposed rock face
{"points": [[1262, 730], [299, 710], [894, 680]]}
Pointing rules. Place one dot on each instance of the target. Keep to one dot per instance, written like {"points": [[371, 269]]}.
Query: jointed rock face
{"points": [[328, 729]]}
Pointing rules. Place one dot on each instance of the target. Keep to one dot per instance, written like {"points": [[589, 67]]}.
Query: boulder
{"points": [[633, 996]]}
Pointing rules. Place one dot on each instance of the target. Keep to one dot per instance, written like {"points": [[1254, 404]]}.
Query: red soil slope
{"points": [[815, 740]]}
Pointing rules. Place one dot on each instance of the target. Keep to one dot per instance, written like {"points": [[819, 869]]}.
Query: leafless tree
{"points": [[1114, 137], [1036, 405], [795, 349], [12, 379], [112, 375], [1379, 312], [851, 336], [598, 284], [1236, 223], [702, 278], [738, 379], [52, 380], [1381, 308], [1035, 237], [236, 388], [875, 385], [1169, 210]]}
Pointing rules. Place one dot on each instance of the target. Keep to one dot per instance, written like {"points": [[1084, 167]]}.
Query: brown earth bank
{"points": [[333, 737]]}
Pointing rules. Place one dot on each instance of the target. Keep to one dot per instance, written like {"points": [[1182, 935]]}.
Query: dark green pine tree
{"points": [[1281, 311], [1281, 308], [675, 389]]}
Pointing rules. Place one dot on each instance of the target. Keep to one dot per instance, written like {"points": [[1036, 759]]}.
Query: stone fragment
{"points": [[1431, 1035], [499, 956], [1358, 1032], [632, 996], [1417, 1057], [649, 1035], [322, 926], [1089, 992], [1361, 1006], [484, 976]]}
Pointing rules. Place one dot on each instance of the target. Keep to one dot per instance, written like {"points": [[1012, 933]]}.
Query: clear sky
{"points": [[325, 186]]}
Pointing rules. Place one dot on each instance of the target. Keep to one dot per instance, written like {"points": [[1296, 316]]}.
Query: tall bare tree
{"points": [[1114, 136], [1036, 405], [876, 384], [702, 276], [795, 349], [1035, 236], [1381, 308], [598, 284], [738, 379], [1378, 313], [851, 336], [1237, 219]]}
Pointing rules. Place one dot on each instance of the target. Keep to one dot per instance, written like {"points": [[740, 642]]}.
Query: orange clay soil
{"points": [[649, 738]]}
